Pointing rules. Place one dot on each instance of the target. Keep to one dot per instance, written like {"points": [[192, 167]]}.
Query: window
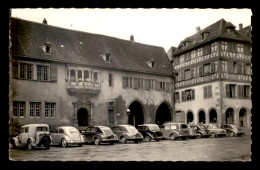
{"points": [[42, 72], [137, 83], [147, 84], [188, 95], [243, 91], [173, 127], [212, 67], [232, 47], [247, 49], [50, 110], [26, 71], [181, 75], [162, 85], [206, 69], [47, 48], [234, 67], [80, 75], [200, 70], [240, 48], [177, 60], [230, 90], [111, 118], [248, 69], [86, 74], [206, 49], [187, 74], [246, 91], [18, 109], [127, 82], [224, 66], [110, 79], [177, 97], [187, 56], [224, 46], [35, 109], [95, 76], [207, 91]]}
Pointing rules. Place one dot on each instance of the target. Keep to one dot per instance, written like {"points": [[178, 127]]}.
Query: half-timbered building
{"points": [[67, 77], [213, 75]]}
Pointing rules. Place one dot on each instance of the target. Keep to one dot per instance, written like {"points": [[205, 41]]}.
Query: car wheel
{"points": [[46, 142], [147, 138], [231, 134], [199, 135], [123, 140], [172, 136], [213, 135], [184, 138], [29, 145], [80, 145], [64, 143], [96, 141]]}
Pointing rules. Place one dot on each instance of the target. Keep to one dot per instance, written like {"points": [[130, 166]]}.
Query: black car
{"points": [[150, 132], [99, 134], [201, 130], [232, 130]]}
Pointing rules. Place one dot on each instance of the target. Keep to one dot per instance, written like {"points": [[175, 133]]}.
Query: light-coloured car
{"points": [[215, 130], [233, 130], [127, 133], [172, 130], [67, 135], [32, 135]]}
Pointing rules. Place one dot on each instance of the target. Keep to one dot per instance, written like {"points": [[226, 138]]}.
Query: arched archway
{"points": [[190, 117], [82, 116], [202, 117], [230, 116], [135, 113], [213, 116], [242, 117], [163, 114]]}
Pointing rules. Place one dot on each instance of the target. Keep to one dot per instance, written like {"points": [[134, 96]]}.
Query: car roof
{"points": [[35, 125], [147, 124], [66, 127], [126, 125], [170, 123]]}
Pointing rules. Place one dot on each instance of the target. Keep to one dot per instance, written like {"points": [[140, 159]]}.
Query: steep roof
{"points": [[216, 30], [85, 48], [246, 32]]}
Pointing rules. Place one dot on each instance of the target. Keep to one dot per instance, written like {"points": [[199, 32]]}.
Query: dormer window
{"points": [[204, 34], [47, 48], [106, 57], [151, 63], [230, 28]]}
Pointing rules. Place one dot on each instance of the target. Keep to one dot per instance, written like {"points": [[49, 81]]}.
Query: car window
{"points": [[40, 129], [183, 126], [88, 130], [167, 127], [146, 128], [173, 127], [93, 129], [26, 130], [98, 130], [22, 130], [61, 131]]}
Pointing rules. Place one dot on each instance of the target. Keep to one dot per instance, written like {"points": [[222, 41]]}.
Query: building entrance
{"points": [[82, 116], [163, 114], [189, 117], [213, 116], [230, 116], [135, 114], [242, 117], [202, 118]]}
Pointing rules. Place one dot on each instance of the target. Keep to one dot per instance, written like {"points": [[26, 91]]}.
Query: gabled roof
{"points": [[246, 32], [79, 47], [216, 30]]}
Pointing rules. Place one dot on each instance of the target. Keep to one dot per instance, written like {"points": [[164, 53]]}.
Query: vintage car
{"points": [[173, 130], [67, 135], [99, 134], [215, 130], [127, 133], [201, 130], [232, 129], [33, 135], [150, 132]]}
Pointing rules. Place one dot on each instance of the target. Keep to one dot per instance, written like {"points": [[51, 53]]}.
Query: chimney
{"points": [[44, 21], [132, 39], [240, 26], [197, 29]]}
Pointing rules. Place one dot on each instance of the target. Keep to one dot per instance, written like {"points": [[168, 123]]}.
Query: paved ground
{"points": [[203, 149]]}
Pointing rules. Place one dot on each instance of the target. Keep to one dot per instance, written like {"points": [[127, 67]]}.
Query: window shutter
{"points": [[124, 82], [205, 91], [200, 70], [230, 66], [212, 67], [15, 69], [227, 90], [53, 72], [167, 87], [192, 94], [183, 96], [209, 91]]}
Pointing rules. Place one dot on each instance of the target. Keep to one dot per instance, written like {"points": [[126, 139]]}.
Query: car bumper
{"points": [[134, 139], [109, 140], [158, 138]]}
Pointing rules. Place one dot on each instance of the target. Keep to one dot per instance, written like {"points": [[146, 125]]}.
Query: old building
{"points": [[213, 75], [66, 77]]}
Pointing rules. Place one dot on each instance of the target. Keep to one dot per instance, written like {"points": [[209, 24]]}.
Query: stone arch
{"points": [[163, 113], [190, 116], [243, 112], [201, 116], [213, 115], [135, 112], [82, 116], [230, 115]]}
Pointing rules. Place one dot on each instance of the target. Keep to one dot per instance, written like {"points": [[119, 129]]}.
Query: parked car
{"points": [[127, 133], [150, 132], [201, 130], [215, 130], [99, 134], [33, 135], [172, 130], [232, 129], [192, 133], [67, 135]]}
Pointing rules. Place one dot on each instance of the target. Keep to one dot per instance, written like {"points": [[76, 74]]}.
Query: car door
{"points": [[60, 135], [165, 129], [90, 132], [24, 135], [54, 136], [117, 130], [141, 130]]}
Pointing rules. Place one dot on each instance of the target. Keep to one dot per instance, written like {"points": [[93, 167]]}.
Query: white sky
{"points": [[160, 27]]}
